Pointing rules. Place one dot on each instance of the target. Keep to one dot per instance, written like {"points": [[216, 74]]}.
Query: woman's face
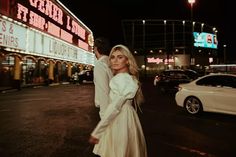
{"points": [[119, 62]]}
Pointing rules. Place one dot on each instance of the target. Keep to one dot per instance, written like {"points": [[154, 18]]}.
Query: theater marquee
{"points": [[51, 17]]}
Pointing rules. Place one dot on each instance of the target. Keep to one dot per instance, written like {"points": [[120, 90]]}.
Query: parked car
{"points": [[75, 78], [86, 76], [210, 93], [169, 80]]}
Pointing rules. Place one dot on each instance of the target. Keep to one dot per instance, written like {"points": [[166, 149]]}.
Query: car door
{"points": [[212, 94], [226, 94], [227, 99], [220, 93]]}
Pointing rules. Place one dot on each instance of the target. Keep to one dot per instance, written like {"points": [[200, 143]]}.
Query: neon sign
{"points": [[47, 16], [159, 60], [49, 9]]}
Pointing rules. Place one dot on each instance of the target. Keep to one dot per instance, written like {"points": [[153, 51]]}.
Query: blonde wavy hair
{"points": [[133, 71]]}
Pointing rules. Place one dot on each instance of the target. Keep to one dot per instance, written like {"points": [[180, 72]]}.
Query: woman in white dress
{"points": [[119, 133]]}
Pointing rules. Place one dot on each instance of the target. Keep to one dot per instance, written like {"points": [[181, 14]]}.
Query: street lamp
{"points": [[145, 55], [192, 61], [166, 52], [191, 2], [225, 59], [165, 35], [202, 25], [184, 35]]}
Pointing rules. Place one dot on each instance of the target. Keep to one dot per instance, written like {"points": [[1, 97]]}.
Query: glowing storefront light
{"points": [[159, 60]]}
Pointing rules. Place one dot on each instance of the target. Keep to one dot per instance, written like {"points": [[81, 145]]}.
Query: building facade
{"points": [[41, 41], [168, 44]]}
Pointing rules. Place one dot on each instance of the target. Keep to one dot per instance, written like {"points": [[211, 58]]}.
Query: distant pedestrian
{"points": [[119, 132], [102, 73]]}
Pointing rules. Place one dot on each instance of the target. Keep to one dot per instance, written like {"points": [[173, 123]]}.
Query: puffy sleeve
{"points": [[123, 88]]}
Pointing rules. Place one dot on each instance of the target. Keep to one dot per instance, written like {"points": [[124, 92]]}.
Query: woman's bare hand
{"points": [[93, 140]]}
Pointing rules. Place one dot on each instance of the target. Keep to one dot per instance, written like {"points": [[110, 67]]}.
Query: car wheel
{"points": [[193, 105]]}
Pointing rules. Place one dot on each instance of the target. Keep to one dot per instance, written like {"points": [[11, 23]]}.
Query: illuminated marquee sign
{"points": [[51, 17], [47, 46], [11, 35], [205, 40], [15, 37]]}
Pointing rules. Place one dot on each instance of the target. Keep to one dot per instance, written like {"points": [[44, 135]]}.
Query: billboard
{"points": [[205, 40]]}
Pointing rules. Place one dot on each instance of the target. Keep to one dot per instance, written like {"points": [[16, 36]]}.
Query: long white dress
{"points": [[119, 131]]}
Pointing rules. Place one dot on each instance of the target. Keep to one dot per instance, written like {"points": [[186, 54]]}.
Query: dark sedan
{"points": [[168, 80], [86, 76]]}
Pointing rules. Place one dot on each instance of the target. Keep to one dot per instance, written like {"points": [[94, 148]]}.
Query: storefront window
{"points": [[28, 71], [60, 72], [64, 72], [6, 70]]}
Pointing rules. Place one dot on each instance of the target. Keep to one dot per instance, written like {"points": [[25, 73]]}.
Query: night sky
{"points": [[104, 17]]}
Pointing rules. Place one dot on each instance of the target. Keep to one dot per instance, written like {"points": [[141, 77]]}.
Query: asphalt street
{"points": [[56, 121]]}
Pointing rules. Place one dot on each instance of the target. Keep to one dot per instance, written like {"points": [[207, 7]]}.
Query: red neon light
{"points": [[53, 29], [154, 60], [36, 20], [77, 29], [82, 44], [66, 36], [159, 60], [49, 9], [22, 12], [68, 23]]}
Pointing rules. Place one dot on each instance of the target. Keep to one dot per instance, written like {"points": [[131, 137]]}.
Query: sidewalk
{"points": [[6, 89]]}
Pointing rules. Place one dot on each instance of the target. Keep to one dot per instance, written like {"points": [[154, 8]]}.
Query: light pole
{"points": [[165, 35], [184, 35], [192, 61], [225, 59], [166, 52], [145, 55], [202, 26], [191, 2]]}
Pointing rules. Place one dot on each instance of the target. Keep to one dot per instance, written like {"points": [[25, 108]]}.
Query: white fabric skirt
{"points": [[124, 136]]}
